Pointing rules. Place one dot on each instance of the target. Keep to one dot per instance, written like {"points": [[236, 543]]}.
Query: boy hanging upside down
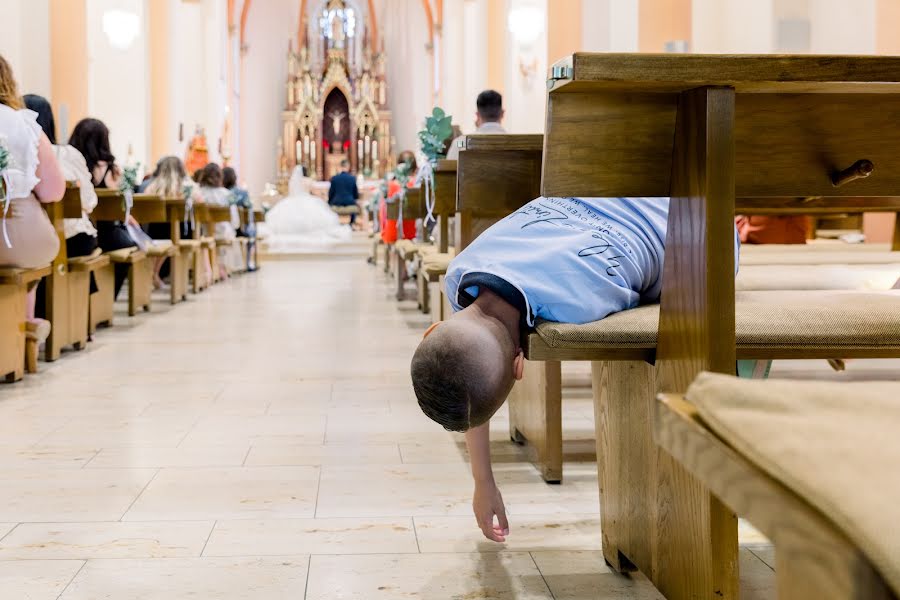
{"points": [[571, 260]]}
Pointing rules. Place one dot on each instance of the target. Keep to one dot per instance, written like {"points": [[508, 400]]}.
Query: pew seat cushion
{"points": [[788, 320], [833, 444], [91, 263], [435, 265], [161, 248], [353, 209], [127, 255], [407, 249], [818, 277], [16, 276]]}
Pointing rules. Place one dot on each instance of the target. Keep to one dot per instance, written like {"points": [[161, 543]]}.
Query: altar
{"points": [[336, 96]]}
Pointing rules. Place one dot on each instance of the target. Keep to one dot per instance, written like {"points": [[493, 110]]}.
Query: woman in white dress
{"points": [[302, 222]]}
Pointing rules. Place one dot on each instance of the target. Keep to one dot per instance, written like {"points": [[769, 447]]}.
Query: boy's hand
{"points": [[487, 503]]}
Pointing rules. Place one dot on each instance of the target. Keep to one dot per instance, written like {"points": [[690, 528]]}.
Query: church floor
{"points": [[262, 442]]}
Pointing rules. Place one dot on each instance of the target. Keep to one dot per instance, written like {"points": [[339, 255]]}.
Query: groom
{"points": [[343, 191]]}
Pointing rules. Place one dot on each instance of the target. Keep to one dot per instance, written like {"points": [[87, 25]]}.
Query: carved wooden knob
{"points": [[859, 170]]}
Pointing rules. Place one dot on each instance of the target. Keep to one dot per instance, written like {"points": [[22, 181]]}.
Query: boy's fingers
{"points": [[501, 517]]}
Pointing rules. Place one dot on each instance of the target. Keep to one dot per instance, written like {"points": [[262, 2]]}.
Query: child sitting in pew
{"points": [[571, 260]]}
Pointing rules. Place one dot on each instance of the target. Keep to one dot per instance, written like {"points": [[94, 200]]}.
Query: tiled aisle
{"points": [[262, 442]]}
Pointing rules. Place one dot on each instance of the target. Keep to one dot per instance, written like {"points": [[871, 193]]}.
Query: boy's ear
{"points": [[519, 366], [430, 329]]}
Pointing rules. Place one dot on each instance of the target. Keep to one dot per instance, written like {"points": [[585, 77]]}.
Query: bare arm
{"points": [[486, 501], [53, 183]]}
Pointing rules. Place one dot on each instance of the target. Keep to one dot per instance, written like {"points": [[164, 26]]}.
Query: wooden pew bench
{"points": [[813, 483], [68, 301], [17, 353], [148, 209], [404, 250], [221, 214], [184, 251], [688, 127], [433, 264]]}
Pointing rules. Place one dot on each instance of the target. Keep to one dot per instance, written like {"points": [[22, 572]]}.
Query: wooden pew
{"points": [[183, 252], [207, 243], [433, 265], [690, 127], [17, 354], [815, 557], [149, 209], [259, 216], [219, 214], [68, 300], [414, 208]]}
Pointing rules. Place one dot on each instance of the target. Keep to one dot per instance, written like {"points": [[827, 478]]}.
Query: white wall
{"points": [[733, 26], [609, 25], [409, 68], [271, 24], [118, 88], [525, 97], [25, 43], [843, 27]]}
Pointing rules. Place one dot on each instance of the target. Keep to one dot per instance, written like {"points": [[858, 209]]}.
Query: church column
{"points": [[68, 62], [162, 125], [496, 44]]}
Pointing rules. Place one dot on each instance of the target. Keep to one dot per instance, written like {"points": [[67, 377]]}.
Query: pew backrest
{"points": [[111, 207]]}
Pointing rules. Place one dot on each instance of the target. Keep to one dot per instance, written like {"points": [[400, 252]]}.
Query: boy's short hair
{"points": [[451, 390], [490, 105]]}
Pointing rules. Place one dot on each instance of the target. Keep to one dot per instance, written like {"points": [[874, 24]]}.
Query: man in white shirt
{"points": [[488, 119]]}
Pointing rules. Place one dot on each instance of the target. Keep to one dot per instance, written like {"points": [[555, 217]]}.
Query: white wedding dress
{"points": [[302, 222]]}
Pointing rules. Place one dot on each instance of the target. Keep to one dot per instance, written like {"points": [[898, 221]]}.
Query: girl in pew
{"points": [[389, 232], [91, 138], [32, 176], [170, 180], [81, 236], [211, 181]]}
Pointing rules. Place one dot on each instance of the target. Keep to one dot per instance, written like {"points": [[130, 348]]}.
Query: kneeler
{"points": [[689, 127]]}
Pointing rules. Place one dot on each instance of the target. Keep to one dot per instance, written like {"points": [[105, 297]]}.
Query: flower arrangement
{"points": [[127, 184], [438, 127], [4, 187]]}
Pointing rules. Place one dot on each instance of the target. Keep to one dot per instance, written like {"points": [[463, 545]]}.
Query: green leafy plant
{"points": [[438, 127], [129, 181]]}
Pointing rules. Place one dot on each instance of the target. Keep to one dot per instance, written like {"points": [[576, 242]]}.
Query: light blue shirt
{"points": [[574, 260]]}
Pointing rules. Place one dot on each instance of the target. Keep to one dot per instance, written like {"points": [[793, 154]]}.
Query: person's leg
{"points": [[112, 236]]}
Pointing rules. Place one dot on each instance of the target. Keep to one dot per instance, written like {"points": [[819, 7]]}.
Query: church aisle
{"points": [[261, 442]]}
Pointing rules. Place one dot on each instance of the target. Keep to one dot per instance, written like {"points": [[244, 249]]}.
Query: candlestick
{"points": [[299, 151]]}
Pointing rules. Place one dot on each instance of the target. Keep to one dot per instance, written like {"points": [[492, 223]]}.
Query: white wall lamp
{"points": [[121, 28]]}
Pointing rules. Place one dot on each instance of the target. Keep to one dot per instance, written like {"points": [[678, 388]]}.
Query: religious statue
{"points": [[197, 153], [336, 118], [337, 30]]}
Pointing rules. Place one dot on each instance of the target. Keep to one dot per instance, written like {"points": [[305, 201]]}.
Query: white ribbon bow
{"points": [[6, 203], [129, 203], [426, 177]]}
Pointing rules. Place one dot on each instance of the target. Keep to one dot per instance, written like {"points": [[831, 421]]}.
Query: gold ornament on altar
{"points": [[336, 96]]}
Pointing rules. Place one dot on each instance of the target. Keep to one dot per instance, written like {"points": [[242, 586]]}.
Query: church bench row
{"points": [[73, 312], [821, 516], [707, 131], [801, 351]]}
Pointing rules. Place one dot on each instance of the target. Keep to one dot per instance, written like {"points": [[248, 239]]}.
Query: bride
{"points": [[302, 222]]}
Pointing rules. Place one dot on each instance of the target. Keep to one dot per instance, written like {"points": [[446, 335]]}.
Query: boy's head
{"points": [[464, 369]]}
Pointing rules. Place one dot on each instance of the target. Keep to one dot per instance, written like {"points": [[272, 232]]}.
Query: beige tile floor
{"points": [[262, 442]]}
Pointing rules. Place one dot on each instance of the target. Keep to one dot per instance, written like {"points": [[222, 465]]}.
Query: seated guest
{"points": [[169, 180], [91, 138], [211, 181], [239, 196], [571, 260], [488, 119], [81, 236], [33, 177], [389, 226], [343, 190]]}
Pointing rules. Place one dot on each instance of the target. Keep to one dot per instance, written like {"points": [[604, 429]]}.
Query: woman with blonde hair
{"points": [[32, 176], [170, 180]]}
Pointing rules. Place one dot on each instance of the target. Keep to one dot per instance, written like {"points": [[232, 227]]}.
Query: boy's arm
{"points": [[487, 501]]}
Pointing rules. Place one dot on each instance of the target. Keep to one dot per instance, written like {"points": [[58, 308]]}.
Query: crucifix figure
{"points": [[336, 118]]}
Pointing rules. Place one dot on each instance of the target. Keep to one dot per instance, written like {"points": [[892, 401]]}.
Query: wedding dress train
{"points": [[302, 222]]}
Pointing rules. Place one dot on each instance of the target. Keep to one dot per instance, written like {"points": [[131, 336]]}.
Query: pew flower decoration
{"points": [[127, 185], [438, 127], [187, 191], [4, 186]]}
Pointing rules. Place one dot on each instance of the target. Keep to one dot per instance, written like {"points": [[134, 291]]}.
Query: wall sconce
{"points": [[121, 28], [526, 24]]}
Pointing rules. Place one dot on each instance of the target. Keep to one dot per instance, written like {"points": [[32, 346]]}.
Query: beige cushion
{"points": [[346, 210], [834, 444], [818, 277], [436, 264], [161, 248], [818, 253], [189, 243], [126, 255], [812, 246], [796, 319]]}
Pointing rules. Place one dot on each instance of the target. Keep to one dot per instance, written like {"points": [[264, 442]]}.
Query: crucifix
{"points": [[336, 118]]}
